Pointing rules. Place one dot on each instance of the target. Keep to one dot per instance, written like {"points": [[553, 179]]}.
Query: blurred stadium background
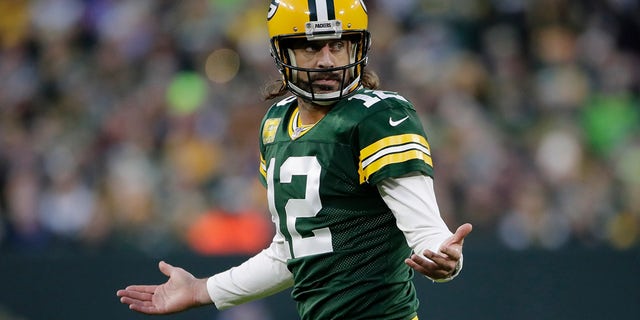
{"points": [[128, 134]]}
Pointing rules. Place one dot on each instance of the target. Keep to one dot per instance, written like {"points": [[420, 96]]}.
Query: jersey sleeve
{"points": [[392, 142]]}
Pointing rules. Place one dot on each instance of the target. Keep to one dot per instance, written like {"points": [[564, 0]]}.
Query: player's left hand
{"points": [[441, 264]]}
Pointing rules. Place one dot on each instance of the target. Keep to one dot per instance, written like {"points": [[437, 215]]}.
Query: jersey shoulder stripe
{"points": [[392, 150], [392, 138]]}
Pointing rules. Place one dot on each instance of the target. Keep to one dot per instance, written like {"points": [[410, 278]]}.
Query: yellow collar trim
{"points": [[296, 128]]}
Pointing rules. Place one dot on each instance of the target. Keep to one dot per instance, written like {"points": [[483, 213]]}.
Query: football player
{"points": [[349, 180]]}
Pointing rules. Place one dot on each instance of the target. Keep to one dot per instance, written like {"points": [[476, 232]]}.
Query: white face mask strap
{"points": [[352, 58], [292, 61], [354, 47]]}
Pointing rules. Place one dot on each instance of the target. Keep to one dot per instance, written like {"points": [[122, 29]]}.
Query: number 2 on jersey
{"points": [[309, 206]]}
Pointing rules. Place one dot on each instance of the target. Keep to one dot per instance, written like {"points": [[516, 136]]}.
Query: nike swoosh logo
{"points": [[397, 122]]}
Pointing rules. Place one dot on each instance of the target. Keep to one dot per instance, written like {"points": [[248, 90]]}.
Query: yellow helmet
{"points": [[319, 20]]}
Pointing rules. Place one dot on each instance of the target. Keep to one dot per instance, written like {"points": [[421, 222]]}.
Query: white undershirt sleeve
{"points": [[413, 202], [262, 275]]}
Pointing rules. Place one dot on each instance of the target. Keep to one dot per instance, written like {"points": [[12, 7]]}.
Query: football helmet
{"points": [[311, 20]]}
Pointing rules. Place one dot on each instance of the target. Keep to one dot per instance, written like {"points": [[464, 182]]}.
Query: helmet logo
{"points": [[331, 29], [273, 7]]}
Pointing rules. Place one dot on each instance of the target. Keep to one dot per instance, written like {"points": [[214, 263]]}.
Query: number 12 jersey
{"points": [[346, 253]]}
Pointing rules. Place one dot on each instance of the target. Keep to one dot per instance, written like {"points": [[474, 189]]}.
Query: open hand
{"points": [[444, 263], [182, 291]]}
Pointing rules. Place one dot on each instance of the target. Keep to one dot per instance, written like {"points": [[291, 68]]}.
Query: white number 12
{"points": [[307, 207]]}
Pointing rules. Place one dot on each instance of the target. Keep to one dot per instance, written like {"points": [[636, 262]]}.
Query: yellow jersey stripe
{"points": [[392, 141], [391, 159], [393, 149], [263, 167]]}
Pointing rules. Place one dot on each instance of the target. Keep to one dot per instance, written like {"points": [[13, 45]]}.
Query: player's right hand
{"points": [[181, 291]]}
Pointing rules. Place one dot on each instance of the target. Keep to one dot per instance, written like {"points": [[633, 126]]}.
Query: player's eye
{"points": [[314, 47], [337, 46]]}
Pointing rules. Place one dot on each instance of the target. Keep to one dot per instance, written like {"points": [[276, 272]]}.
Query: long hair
{"points": [[278, 88]]}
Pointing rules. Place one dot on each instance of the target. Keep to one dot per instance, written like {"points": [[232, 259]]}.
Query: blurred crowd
{"points": [[135, 122]]}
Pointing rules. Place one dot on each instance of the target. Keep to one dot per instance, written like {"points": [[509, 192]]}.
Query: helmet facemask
{"points": [[349, 76]]}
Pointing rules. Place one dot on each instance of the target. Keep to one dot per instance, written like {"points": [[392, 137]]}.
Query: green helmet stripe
{"points": [[313, 10], [321, 10]]}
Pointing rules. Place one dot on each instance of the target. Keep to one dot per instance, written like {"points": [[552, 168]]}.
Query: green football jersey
{"points": [[346, 252]]}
